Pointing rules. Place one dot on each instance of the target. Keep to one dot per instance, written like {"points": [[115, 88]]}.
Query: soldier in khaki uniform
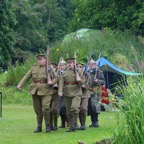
{"points": [[96, 81], [84, 102], [41, 91], [54, 102], [70, 83]]}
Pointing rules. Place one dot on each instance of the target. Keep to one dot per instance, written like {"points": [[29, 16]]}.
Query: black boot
{"points": [[76, 126], [39, 129], [55, 122], [62, 121], [95, 118], [82, 117], [92, 120], [71, 129], [51, 121], [75, 118], [71, 122], [48, 128]]}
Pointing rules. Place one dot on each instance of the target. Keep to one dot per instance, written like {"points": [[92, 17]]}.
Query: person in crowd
{"points": [[41, 90], [96, 81], [70, 84]]}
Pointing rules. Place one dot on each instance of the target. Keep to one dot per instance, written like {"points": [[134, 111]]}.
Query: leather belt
{"points": [[71, 83], [40, 81]]}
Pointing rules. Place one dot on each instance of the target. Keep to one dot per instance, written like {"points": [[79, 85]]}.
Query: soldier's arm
{"points": [[101, 80], [24, 79], [61, 86], [82, 81], [55, 78]]}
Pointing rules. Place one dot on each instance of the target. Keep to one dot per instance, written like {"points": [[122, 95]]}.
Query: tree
{"points": [[7, 40], [115, 14]]}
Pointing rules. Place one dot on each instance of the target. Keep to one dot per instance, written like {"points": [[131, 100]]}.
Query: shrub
{"points": [[131, 119]]}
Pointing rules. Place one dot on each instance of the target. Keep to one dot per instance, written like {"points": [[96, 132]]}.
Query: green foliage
{"points": [[114, 14], [15, 73], [7, 21], [131, 119], [110, 44]]}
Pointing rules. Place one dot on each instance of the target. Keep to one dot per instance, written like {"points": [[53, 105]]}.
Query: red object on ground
{"points": [[104, 94]]}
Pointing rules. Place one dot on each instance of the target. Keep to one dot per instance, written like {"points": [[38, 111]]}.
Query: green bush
{"points": [[15, 73], [131, 118]]}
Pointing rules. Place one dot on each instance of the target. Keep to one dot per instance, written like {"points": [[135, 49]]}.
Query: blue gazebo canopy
{"points": [[106, 65]]}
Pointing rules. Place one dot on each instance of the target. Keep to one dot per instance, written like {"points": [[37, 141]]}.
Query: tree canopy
{"points": [[29, 25]]}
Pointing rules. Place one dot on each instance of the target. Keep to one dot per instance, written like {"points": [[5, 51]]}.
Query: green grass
{"points": [[18, 123]]}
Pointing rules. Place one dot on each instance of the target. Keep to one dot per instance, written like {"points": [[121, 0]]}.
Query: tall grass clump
{"points": [[130, 120], [15, 73]]}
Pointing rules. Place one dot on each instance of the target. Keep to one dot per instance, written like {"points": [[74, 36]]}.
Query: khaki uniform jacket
{"points": [[38, 73], [68, 89]]}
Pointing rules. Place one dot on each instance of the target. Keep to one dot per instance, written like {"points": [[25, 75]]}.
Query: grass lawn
{"points": [[18, 123]]}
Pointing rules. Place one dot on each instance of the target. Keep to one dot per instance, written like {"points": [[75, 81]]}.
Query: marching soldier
{"points": [[54, 102], [70, 83], [41, 91], [62, 108], [96, 81], [84, 102]]}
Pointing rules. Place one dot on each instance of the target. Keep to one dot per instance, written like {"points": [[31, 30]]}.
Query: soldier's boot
{"points": [[76, 126], [48, 128], [71, 122], [47, 122], [39, 123], [95, 119], [55, 122], [82, 118], [93, 122], [66, 119], [51, 121], [75, 118], [62, 122], [39, 129]]}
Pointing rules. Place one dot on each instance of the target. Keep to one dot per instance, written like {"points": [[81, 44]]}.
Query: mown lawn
{"points": [[18, 123]]}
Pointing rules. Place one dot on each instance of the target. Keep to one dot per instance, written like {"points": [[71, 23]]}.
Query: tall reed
{"points": [[130, 120]]}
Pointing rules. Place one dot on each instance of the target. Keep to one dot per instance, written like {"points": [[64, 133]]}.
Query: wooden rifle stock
{"points": [[49, 81], [97, 67], [58, 70], [75, 68], [87, 64]]}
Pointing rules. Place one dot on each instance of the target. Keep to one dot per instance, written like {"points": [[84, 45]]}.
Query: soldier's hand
{"points": [[83, 86], [78, 79], [96, 80], [50, 83], [19, 87], [60, 94]]}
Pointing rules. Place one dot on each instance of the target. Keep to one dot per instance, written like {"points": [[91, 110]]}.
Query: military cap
{"points": [[69, 59], [53, 63], [40, 55], [80, 63], [63, 62], [92, 61]]}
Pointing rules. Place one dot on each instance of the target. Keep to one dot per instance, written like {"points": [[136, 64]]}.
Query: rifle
{"points": [[87, 64], [47, 66], [75, 66], [59, 65], [98, 67]]}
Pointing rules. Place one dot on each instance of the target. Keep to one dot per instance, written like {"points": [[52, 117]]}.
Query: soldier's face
{"points": [[62, 67], [92, 66], [71, 64], [41, 61], [81, 67]]}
